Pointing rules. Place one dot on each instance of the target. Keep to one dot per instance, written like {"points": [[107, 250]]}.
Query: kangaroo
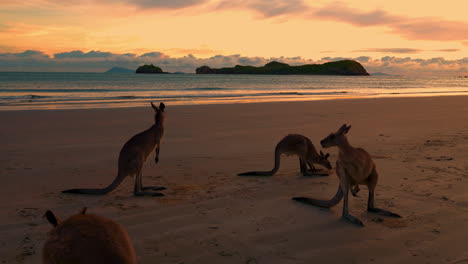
{"points": [[133, 155], [354, 167], [87, 239], [301, 146]]}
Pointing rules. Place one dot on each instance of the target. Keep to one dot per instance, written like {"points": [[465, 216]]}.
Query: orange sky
{"points": [[265, 28]]}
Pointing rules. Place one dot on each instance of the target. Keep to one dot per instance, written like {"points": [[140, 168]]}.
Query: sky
{"points": [[398, 36]]}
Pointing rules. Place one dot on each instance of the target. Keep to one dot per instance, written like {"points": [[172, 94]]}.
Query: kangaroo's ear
{"points": [[154, 107], [321, 154], [347, 129], [162, 106], [342, 129], [83, 211], [51, 218]]}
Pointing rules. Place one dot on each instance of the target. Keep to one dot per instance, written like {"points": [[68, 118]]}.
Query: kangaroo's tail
{"points": [[266, 173], [322, 203], [104, 190], [256, 173]]}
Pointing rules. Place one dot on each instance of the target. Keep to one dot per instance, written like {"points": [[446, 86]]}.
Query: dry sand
{"points": [[210, 215]]}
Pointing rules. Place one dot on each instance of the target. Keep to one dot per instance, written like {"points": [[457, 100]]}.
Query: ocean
{"points": [[32, 90]]}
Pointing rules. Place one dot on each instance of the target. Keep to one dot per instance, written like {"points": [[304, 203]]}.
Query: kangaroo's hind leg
{"points": [[370, 204], [345, 186], [153, 188], [139, 190], [303, 166]]}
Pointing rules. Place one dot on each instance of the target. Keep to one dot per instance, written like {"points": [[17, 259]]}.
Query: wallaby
{"points": [[133, 155], [354, 167], [301, 146], [87, 239]]}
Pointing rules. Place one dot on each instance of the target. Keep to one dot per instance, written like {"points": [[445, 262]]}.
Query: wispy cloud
{"points": [[81, 54], [413, 28], [199, 51], [167, 4], [28, 54], [97, 61], [267, 8], [170, 4], [340, 12], [431, 29], [154, 55], [390, 50], [447, 50], [425, 28], [402, 50]]}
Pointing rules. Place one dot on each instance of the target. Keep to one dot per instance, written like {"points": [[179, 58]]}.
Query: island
{"points": [[119, 70], [343, 67], [149, 69]]}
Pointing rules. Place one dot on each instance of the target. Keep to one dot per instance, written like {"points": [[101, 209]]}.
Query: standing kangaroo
{"points": [[133, 155], [87, 239], [301, 146], [354, 167]]}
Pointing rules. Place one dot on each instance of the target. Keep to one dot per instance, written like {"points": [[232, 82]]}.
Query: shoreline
{"points": [[393, 96]]}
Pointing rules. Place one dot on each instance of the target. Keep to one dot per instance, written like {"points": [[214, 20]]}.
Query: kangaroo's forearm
{"points": [[156, 159]]}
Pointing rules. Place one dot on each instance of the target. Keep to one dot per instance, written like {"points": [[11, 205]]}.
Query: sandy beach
{"points": [[211, 215]]}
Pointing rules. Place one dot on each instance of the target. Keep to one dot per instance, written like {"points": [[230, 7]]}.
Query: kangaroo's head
{"points": [[324, 160], [160, 113], [337, 138]]}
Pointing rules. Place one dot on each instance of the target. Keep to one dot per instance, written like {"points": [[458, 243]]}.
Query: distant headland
{"points": [[343, 67]]}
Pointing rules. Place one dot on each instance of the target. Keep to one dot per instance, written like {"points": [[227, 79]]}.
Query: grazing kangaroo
{"points": [[133, 155], [301, 146], [87, 239], [354, 167]]}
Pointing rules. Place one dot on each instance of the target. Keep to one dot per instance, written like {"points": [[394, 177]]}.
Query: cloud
{"points": [[167, 4], [431, 29], [426, 28], [81, 54], [4, 27], [153, 55], [199, 51], [390, 50], [28, 54], [412, 28], [402, 50], [267, 8], [97, 61], [340, 12], [447, 50], [363, 59]]}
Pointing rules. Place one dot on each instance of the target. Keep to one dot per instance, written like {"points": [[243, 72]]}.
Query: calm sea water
{"points": [[21, 90]]}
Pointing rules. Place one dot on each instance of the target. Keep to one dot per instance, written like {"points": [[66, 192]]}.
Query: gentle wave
{"points": [[132, 97], [28, 97], [88, 90]]}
